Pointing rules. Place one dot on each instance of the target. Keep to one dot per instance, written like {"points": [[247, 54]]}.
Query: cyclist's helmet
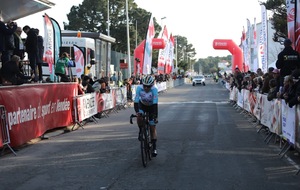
{"points": [[148, 80]]}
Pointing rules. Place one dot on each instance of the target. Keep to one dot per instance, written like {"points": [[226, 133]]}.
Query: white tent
{"points": [[15, 9]]}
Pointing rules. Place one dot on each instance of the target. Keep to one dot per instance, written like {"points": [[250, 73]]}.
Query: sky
{"points": [[199, 21]]}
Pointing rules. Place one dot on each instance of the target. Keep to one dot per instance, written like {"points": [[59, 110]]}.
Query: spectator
{"points": [[266, 82], [7, 40], [252, 84], [288, 60], [31, 49], [79, 85], [40, 48], [288, 81], [11, 74], [86, 85], [97, 86], [113, 78], [259, 72], [60, 67], [128, 83], [259, 83], [48, 80], [91, 81], [276, 76], [246, 81], [293, 95], [272, 94], [19, 45], [237, 79]]}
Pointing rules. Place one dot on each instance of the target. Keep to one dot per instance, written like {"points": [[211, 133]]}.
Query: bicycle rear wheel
{"points": [[144, 147]]}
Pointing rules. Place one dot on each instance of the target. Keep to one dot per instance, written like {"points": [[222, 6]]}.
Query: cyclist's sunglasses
{"points": [[147, 86]]}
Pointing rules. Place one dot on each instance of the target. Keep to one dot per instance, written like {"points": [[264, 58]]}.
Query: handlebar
{"points": [[132, 116]]}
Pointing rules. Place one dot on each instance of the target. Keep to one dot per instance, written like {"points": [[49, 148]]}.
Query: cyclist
{"points": [[146, 100]]}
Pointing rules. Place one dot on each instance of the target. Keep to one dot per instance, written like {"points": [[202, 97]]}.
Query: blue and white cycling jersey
{"points": [[147, 98]]}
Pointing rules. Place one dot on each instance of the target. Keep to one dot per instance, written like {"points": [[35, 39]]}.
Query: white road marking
{"points": [[195, 102]]}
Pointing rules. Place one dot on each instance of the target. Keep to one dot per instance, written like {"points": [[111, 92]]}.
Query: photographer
{"points": [[61, 67]]}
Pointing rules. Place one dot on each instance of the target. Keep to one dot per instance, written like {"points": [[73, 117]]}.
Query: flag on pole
{"points": [[170, 57], [254, 46], [79, 60], [263, 41], [247, 55], [48, 43], [290, 11], [162, 54], [297, 27], [254, 39], [147, 62], [57, 41], [243, 38]]}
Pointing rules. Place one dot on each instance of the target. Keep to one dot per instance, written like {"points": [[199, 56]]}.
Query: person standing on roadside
{"points": [[31, 49], [40, 48], [288, 60], [19, 45], [5, 32], [61, 67]]}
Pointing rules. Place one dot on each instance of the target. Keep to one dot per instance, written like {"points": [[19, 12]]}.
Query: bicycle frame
{"points": [[146, 145]]}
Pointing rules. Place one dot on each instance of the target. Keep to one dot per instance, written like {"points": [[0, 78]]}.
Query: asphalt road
{"points": [[203, 144]]}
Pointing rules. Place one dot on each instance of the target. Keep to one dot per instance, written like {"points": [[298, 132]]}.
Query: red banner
{"points": [[34, 109]]}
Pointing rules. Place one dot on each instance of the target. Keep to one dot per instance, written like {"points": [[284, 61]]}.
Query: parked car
{"points": [[200, 79]]}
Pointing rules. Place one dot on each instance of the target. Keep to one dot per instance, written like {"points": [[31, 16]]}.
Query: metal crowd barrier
{"points": [[4, 130]]}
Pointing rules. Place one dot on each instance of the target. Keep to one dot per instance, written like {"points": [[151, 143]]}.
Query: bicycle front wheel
{"points": [[149, 144], [144, 148]]}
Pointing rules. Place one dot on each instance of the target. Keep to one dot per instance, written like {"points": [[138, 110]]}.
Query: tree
{"points": [[210, 64], [278, 19], [185, 52], [91, 16]]}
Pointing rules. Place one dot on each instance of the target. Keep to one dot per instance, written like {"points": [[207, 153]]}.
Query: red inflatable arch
{"points": [[236, 51], [157, 43]]}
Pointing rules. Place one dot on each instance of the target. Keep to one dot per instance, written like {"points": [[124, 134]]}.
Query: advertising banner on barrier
{"points": [[298, 128], [252, 101], [266, 111], [106, 101], [109, 100], [100, 102], [121, 97], [288, 122], [256, 109], [276, 117], [3, 126], [86, 106], [233, 94], [246, 95], [240, 99], [1, 140], [34, 109]]}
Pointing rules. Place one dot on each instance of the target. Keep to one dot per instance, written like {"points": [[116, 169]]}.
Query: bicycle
{"points": [[146, 145]]}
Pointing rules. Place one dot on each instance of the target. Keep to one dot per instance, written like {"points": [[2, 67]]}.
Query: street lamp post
{"points": [[108, 20], [135, 33], [176, 54], [161, 20], [128, 41]]}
